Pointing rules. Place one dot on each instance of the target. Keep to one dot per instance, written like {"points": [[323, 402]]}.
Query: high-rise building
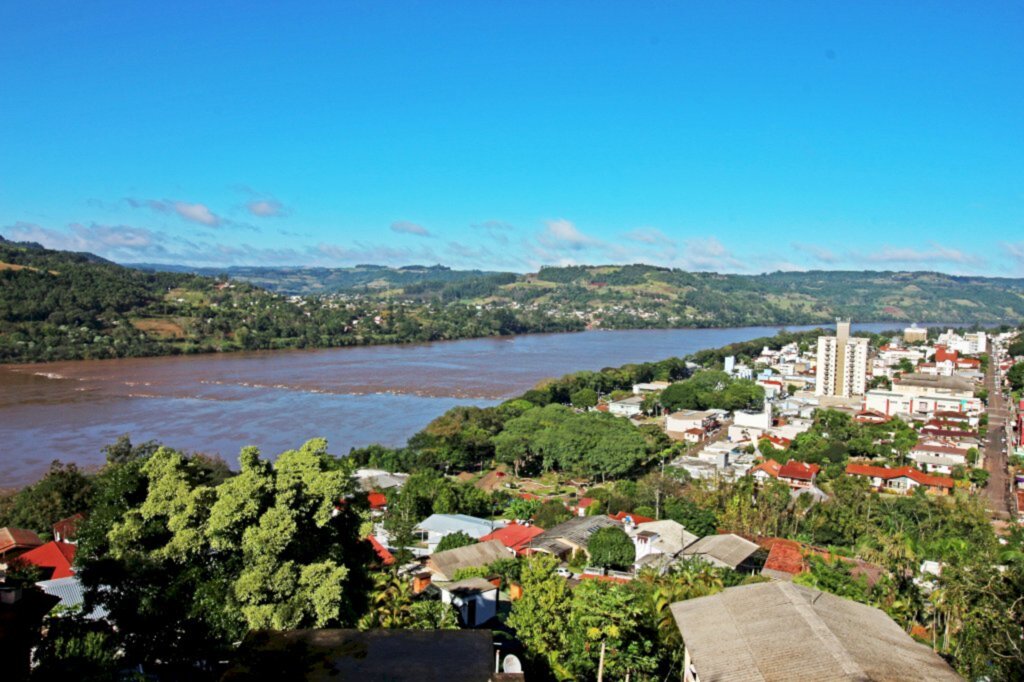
{"points": [[842, 363]]}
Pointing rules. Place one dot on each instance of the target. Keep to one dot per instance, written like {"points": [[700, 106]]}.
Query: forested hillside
{"points": [[641, 296], [57, 305]]}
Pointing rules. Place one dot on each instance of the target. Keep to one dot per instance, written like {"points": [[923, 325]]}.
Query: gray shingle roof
{"points": [[446, 563], [778, 631], [722, 550], [576, 530]]}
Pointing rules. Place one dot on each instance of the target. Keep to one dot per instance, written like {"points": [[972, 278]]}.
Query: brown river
{"points": [[277, 400]]}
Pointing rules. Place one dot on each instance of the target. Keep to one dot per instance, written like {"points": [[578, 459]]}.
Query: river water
{"points": [[276, 400]]}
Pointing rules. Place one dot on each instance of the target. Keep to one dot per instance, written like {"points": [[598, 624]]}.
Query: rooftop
{"points": [[779, 631], [728, 549], [446, 563]]}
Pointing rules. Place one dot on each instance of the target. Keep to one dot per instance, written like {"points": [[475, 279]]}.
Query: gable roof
{"points": [[769, 466], [781, 631], [576, 530], [515, 536], [446, 563], [800, 471], [722, 550], [67, 529], [453, 523], [913, 474], [18, 538], [54, 557], [672, 535], [386, 557]]}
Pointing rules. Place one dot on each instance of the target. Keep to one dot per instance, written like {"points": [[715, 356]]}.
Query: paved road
{"points": [[998, 488]]}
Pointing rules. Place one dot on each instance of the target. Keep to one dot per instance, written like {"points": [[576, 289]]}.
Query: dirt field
{"points": [[160, 327]]}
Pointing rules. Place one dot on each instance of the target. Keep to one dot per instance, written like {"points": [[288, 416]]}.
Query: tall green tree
{"points": [[541, 616]]}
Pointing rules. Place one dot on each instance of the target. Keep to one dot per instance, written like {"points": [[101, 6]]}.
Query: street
{"points": [[998, 489]]}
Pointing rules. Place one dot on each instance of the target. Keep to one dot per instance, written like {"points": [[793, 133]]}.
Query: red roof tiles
{"points": [[17, 538], [67, 529], [57, 556], [514, 536], [386, 557], [769, 466], [799, 471], [377, 500], [913, 474], [635, 518]]}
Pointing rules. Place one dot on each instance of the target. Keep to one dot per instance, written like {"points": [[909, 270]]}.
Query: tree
{"points": [[454, 541], [1015, 376], [611, 547], [189, 568], [64, 490], [551, 513], [521, 509], [540, 616], [585, 398], [613, 617]]}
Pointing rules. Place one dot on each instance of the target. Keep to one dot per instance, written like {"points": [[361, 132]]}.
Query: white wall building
{"points": [[842, 363]]}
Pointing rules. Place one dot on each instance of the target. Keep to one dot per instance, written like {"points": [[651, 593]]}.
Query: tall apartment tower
{"points": [[842, 363]]}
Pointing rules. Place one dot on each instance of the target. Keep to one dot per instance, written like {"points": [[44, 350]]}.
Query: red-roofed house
{"points": [[902, 480], [54, 558], [694, 435], [16, 541], [798, 474], [66, 530], [870, 417], [515, 536], [766, 470], [788, 558], [623, 517], [942, 354], [378, 501], [386, 557], [582, 505]]}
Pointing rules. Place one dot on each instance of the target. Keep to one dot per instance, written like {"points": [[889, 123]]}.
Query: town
{"points": [[716, 487]]}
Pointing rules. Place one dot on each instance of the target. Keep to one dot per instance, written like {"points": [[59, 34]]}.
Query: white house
{"points": [[475, 599], [650, 387], [658, 542], [436, 526], [681, 422], [627, 407]]}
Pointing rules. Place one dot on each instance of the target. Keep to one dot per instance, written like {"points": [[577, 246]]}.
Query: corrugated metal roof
{"points": [[778, 631]]}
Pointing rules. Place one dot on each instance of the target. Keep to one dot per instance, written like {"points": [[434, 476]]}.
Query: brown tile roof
{"points": [[18, 538]]}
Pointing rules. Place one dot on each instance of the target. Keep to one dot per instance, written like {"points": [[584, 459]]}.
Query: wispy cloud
{"points": [[406, 227], [935, 253], [192, 212], [649, 235], [266, 208], [495, 229], [818, 253], [562, 233]]}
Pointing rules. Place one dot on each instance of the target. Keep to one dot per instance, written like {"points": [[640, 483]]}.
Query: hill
{"points": [[58, 305], [304, 281], [640, 296]]}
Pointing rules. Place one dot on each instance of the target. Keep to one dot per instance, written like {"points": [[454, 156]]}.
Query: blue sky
{"points": [[738, 137]]}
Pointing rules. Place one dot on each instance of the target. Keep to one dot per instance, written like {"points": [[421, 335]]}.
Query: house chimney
{"points": [[420, 582]]}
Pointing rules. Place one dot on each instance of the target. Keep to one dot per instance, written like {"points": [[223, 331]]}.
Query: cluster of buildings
{"points": [[932, 384]]}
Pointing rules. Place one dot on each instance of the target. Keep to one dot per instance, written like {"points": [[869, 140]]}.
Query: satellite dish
{"points": [[511, 664]]}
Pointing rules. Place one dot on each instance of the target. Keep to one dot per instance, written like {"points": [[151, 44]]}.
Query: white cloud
{"points": [[196, 213], [936, 253], [495, 229], [406, 227], [562, 233], [266, 208]]}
